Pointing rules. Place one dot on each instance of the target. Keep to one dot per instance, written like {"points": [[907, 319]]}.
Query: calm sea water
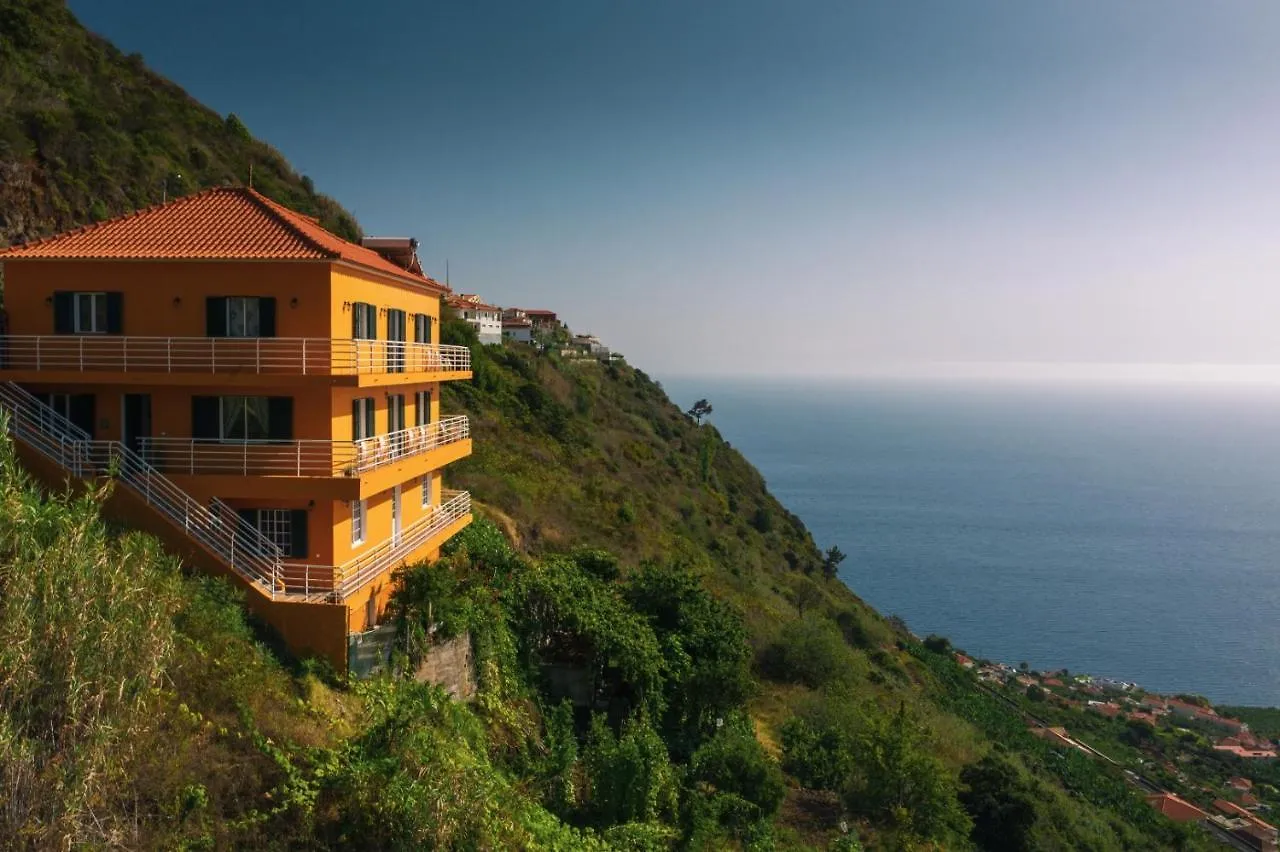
{"points": [[1131, 531]]}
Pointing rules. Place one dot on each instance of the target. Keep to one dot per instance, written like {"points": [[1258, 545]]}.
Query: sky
{"points": [[739, 187]]}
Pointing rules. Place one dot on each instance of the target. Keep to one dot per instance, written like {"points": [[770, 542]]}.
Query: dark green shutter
{"points": [[204, 417], [115, 313], [355, 420], [63, 312], [267, 317], [370, 429], [280, 418], [298, 533], [215, 318], [371, 314]]}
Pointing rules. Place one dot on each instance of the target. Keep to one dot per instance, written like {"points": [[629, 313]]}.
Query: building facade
{"points": [[267, 394], [485, 318]]}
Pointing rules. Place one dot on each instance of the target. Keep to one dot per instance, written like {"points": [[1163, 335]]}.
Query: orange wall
{"points": [[149, 289], [171, 407]]}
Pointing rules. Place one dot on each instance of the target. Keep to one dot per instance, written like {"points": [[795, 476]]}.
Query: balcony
{"points": [[401, 455], [338, 582], [187, 360]]}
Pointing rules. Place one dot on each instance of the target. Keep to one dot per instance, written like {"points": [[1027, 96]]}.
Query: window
{"points": [[396, 339], [91, 313], [79, 408], [285, 528], [240, 316], [426, 491], [395, 422], [358, 510], [362, 419], [421, 328], [242, 418], [364, 321], [88, 313], [422, 408]]}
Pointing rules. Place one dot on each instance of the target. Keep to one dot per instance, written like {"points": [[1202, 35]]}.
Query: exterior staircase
{"points": [[236, 545]]}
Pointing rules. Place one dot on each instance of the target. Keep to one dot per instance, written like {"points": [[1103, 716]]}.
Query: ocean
{"points": [[1128, 531]]}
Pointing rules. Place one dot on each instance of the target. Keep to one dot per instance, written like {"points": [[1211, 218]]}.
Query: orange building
{"points": [[266, 394]]}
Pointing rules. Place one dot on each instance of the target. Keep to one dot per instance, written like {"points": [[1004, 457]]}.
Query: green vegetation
{"points": [[87, 133], [664, 658], [1263, 721]]}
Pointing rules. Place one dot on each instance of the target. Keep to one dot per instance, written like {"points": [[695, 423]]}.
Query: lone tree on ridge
{"points": [[700, 409]]}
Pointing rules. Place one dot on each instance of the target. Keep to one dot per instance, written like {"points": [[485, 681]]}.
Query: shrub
{"points": [[898, 781], [937, 644], [738, 772], [1000, 803], [708, 661], [629, 777], [811, 651], [819, 754]]}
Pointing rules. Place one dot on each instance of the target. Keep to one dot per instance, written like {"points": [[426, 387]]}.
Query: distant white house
{"points": [[516, 326], [486, 318], [590, 344]]}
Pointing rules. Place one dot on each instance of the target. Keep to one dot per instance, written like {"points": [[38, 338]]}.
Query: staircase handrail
{"points": [[219, 528]]}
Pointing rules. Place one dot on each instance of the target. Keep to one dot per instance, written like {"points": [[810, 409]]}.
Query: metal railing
{"points": [[260, 355], [338, 582], [301, 457], [215, 526]]}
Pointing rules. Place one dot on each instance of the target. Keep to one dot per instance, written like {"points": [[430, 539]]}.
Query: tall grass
{"points": [[86, 625]]}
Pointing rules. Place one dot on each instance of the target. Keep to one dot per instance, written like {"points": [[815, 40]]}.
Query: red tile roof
{"points": [[1235, 810], [1175, 807], [223, 223]]}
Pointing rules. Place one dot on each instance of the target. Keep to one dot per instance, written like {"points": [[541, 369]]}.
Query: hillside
{"points": [[734, 695], [87, 133]]}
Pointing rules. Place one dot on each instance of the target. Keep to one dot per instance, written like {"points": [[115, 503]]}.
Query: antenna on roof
{"points": [[446, 272]]}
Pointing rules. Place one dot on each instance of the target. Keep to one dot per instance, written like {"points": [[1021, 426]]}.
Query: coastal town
{"points": [[1192, 762], [494, 324]]}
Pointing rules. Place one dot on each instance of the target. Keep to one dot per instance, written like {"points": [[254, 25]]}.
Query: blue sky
{"points": [[746, 187]]}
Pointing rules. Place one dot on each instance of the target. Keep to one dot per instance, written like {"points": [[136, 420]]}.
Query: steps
{"points": [[214, 526]]}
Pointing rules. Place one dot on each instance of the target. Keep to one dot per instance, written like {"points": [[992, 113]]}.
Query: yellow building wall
{"points": [[342, 398], [167, 298], [378, 516], [350, 285]]}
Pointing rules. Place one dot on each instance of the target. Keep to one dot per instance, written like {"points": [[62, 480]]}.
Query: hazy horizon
{"points": [[760, 188]]}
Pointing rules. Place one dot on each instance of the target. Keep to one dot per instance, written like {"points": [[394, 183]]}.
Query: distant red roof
{"points": [[223, 223], [471, 302], [1175, 807], [1235, 810]]}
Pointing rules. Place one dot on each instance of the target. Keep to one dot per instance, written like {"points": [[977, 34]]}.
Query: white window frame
{"points": [[428, 481], [277, 526], [359, 521], [97, 303]]}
